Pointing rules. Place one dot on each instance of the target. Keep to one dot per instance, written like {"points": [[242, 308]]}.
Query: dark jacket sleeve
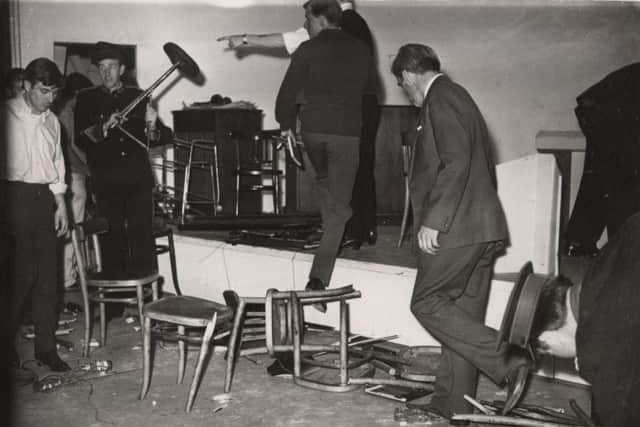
{"points": [[453, 146], [82, 120], [162, 136], [286, 102], [355, 25]]}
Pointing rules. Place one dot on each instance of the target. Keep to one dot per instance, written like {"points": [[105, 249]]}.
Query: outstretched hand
{"points": [[234, 41]]}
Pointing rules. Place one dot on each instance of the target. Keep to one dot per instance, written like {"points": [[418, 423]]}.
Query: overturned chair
{"points": [[285, 333]]}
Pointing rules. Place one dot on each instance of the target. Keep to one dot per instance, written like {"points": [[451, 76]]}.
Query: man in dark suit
{"points": [[596, 321], [460, 230], [119, 162]]}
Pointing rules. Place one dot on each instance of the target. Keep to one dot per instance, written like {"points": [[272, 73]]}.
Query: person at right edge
{"points": [[334, 71], [609, 117], [461, 228]]}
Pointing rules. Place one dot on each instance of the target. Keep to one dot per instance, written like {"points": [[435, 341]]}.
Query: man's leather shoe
{"points": [[53, 361], [372, 237], [516, 381], [316, 285], [575, 249]]}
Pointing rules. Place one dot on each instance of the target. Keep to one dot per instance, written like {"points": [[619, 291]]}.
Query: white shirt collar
{"points": [[426, 90], [346, 6], [23, 108]]}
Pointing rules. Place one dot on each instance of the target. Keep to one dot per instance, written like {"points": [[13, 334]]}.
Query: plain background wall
{"points": [[524, 62]]}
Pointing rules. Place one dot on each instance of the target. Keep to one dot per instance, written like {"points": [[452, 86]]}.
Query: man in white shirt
{"points": [[34, 215]]}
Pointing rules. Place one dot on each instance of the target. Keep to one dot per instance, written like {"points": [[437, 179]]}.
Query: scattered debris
{"points": [[63, 344], [136, 347], [222, 401], [411, 416], [136, 328], [30, 334], [130, 319]]}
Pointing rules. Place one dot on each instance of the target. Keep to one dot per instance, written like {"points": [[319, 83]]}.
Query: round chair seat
{"points": [[121, 280], [190, 311]]}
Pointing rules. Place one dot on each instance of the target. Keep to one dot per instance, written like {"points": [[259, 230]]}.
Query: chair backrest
{"points": [[259, 152], [84, 237], [279, 315]]}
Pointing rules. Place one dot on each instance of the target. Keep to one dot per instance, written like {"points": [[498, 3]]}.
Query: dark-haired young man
{"points": [[333, 70], [597, 321], [34, 213], [460, 229]]}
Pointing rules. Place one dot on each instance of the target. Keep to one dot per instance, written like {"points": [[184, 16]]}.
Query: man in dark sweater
{"points": [[597, 322], [362, 225], [334, 71]]}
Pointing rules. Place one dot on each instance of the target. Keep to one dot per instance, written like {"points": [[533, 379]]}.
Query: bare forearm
{"points": [[264, 41]]}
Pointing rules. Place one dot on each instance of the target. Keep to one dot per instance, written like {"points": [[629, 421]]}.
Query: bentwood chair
{"points": [[196, 162], [285, 333], [247, 333], [102, 288], [197, 320], [257, 170]]}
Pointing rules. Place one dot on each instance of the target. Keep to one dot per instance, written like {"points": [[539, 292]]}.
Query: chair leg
{"points": [[140, 301], [213, 189], [87, 317], [297, 335], [87, 329], [276, 194], [234, 344], [204, 349], [185, 186], [146, 357], [217, 175], [103, 323], [174, 266], [238, 193], [344, 340], [182, 350]]}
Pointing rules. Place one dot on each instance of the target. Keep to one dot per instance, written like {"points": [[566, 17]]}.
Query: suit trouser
{"points": [[449, 300], [335, 160], [363, 198], [33, 261], [128, 246]]}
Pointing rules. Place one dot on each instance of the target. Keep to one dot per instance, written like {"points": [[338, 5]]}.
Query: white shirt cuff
{"points": [[293, 39], [58, 188]]}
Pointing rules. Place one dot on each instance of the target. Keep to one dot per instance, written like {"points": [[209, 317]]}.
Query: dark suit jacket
{"points": [[608, 335], [452, 176]]}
